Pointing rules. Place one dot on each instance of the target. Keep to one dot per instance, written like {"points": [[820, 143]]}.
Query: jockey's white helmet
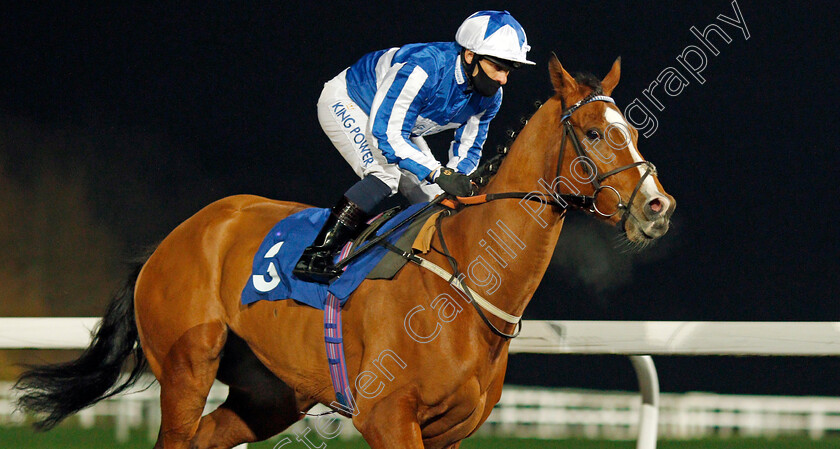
{"points": [[496, 34]]}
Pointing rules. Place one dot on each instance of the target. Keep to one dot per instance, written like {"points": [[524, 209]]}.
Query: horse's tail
{"points": [[60, 390]]}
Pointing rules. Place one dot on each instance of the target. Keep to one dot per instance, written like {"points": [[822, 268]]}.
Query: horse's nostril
{"points": [[655, 205]]}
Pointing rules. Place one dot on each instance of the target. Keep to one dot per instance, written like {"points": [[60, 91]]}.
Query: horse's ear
{"points": [[611, 80], [560, 78]]}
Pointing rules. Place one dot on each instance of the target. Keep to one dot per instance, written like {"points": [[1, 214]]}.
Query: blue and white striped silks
{"points": [[417, 90]]}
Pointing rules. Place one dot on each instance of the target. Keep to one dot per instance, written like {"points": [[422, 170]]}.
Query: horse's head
{"points": [[599, 158]]}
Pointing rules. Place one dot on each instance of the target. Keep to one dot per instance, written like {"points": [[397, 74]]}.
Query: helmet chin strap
{"points": [[468, 68], [480, 83]]}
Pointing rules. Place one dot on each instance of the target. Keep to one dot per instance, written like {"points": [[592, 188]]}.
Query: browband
{"points": [[568, 112]]}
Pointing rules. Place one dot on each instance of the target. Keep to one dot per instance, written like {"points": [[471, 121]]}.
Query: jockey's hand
{"points": [[454, 183]]}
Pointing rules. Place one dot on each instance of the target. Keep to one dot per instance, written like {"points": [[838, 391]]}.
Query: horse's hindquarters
{"points": [[196, 274]]}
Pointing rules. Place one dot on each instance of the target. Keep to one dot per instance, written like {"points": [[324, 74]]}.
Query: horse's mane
{"points": [[485, 171], [488, 168]]}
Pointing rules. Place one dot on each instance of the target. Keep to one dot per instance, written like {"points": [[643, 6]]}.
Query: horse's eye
{"points": [[593, 134]]}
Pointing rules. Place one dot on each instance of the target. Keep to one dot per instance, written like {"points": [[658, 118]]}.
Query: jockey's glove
{"points": [[454, 183]]}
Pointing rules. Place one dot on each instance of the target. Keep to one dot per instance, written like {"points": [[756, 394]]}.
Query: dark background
{"points": [[161, 109]]}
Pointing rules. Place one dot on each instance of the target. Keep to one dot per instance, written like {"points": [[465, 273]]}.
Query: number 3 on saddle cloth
{"points": [[272, 279]]}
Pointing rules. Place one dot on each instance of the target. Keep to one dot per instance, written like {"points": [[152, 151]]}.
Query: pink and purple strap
{"points": [[335, 345], [335, 348]]}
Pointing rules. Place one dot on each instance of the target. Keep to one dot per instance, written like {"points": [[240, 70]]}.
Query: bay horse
{"points": [[180, 312]]}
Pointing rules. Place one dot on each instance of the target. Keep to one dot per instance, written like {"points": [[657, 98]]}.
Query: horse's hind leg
{"points": [[259, 405], [189, 369]]}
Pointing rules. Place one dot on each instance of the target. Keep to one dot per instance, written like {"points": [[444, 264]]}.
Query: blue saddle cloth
{"points": [[272, 279]]}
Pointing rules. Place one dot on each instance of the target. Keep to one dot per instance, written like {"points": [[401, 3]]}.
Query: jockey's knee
{"points": [[369, 192]]}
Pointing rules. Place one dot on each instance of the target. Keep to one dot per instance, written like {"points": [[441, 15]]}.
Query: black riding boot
{"points": [[344, 223]]}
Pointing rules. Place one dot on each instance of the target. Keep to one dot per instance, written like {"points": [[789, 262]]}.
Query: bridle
{"points": [[587, 202], [595, 178], [577, 200]]}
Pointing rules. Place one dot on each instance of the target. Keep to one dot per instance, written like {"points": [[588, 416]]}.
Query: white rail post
{"points": [[649, 412]]}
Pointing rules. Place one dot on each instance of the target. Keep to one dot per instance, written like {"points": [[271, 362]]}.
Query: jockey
{"points": [[377, 111]]}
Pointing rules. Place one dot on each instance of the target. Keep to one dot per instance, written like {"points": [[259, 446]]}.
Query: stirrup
{"points": [[343, 224], [311, 267]]}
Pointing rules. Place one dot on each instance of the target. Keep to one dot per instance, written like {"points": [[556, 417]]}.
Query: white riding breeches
{"points": [[345, 123]]}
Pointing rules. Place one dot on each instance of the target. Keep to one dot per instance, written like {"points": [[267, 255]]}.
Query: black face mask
{"points": [[485, 85], [481, 83]]}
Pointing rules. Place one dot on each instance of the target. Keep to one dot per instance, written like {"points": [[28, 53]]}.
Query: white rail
{"points": [[548, 337], [46, 333], [638, 339], [767, 338], [712, 338]]}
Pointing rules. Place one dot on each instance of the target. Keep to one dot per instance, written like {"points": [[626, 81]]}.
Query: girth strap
{"points": [[334, 342]]}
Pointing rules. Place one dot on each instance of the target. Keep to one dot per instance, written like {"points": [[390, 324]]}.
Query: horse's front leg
{"points": [[391, 422]]}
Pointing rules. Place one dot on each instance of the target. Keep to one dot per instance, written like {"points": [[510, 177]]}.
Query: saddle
{"points": [[418, 237], [378, 253]]}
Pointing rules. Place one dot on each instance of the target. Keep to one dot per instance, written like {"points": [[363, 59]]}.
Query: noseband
{"points": [[589, 201]]}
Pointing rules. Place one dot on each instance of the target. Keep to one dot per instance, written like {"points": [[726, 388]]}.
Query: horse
{"points": [[425, 369]]}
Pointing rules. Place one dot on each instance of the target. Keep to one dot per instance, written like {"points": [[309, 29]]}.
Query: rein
{"points": [[586, 202]]}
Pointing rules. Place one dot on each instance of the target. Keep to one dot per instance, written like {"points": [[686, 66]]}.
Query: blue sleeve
{"points": [[465, 151], [393, 115]]}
